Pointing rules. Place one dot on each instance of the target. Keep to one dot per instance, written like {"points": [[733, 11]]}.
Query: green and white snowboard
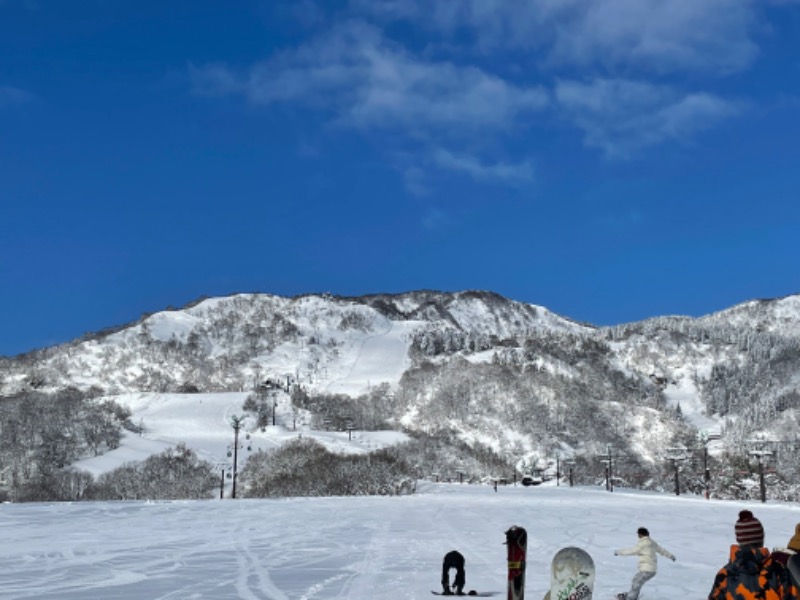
{"points": [[571, 575]]}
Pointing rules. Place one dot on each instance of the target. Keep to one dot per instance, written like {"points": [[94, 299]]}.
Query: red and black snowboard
{"points": [[517, 545]]}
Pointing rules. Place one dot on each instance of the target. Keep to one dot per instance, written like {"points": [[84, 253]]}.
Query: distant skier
{"points": [[646, 550], [453, 560]]}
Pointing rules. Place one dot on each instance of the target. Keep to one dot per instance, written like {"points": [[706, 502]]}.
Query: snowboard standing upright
{"points": [[571, 575], [517, 546]]}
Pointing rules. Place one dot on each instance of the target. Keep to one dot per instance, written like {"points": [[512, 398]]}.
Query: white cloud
{"points": [[359, 79], [453, 112], [435, 218], [622, 117], [11, 96], [416, 181], [659, 36], [215, 80], [365, 80], [307, 12], [480, 171], [30, 5], [386, 9], [651, 35]]}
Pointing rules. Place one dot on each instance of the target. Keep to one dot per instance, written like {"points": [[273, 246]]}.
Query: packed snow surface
{"points": [[360, 548]]}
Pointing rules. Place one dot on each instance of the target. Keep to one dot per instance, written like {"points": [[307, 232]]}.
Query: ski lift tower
{"points": [[703, 437], [223, 466], [761, 455], [570, 464], [237, 423], [608, 459], [677, 454]]}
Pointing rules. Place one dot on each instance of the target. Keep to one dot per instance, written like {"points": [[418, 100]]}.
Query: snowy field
{"points": [[359, 548]]}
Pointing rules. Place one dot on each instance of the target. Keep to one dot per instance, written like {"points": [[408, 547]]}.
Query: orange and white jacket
{"points": [[751, 574]]}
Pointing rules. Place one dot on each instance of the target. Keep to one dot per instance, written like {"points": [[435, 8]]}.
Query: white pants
{"points": [[638, 581]]}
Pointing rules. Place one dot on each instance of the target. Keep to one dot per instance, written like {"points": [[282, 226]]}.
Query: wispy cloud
{"points": [[11, 96], [622, 117], [386, 9], [216, 79], [511, 173], [416, 181], [365, 80], [435, 218], [30, 5], [486, 70], [624, 48], [359, 79], [655, 35]]}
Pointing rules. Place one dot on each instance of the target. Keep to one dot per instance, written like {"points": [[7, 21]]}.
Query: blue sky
{"points": [[611, 160]]}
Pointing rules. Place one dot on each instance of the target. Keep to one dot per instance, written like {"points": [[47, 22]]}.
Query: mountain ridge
{"points": [[511, 376]]}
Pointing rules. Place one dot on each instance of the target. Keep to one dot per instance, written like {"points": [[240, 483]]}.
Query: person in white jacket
{"points": [[646, 550]]}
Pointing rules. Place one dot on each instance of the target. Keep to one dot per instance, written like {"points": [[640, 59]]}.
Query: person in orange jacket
{"points": [[789, 557], [751, 574]]}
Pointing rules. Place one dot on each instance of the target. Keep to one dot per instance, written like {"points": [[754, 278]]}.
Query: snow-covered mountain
{"points": [[780, 316], [325, 343], [491, 372]]}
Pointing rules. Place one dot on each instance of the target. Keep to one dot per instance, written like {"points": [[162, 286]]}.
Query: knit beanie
{"points": [[749, 531], [794, 543]]}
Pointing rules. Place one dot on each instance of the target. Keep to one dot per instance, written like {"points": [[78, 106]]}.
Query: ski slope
{"points": [[380, 358], [359, 548], [203, 423]]}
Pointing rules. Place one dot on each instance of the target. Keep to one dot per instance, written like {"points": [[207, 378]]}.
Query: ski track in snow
{"points": [[360, 548], [253, 581], [381, 357]]}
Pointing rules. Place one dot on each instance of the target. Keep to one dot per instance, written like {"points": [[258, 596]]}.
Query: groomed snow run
{"points": [[360, 548]]}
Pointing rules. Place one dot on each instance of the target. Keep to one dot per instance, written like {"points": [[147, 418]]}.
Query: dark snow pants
{"points": [[453, 560]]}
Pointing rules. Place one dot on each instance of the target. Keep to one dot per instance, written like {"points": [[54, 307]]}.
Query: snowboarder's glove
{"points": [[615, 553], [673, 559]]}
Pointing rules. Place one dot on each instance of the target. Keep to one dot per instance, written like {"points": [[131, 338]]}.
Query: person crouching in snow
{"points": [[646, 550], [751, 572], [453, 560]]}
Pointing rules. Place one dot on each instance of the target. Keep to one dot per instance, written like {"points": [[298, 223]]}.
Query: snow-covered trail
{"points": [[381, 358], [359, 548], [685, 394], [203, 423]]}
